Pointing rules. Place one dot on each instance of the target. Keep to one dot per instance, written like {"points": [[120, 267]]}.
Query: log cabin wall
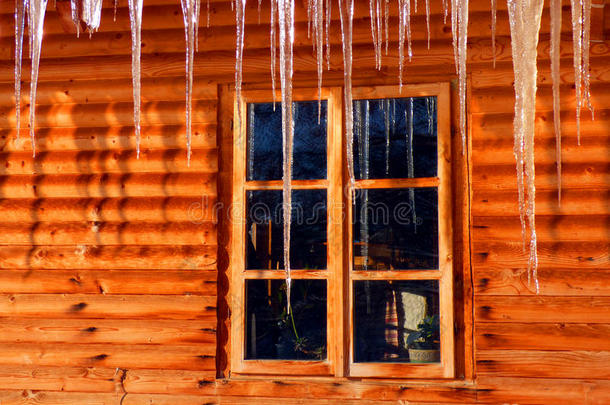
{"points": [[110, 266]]}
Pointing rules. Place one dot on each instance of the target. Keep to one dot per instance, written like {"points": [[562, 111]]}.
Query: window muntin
{"points": [[403, 275]]}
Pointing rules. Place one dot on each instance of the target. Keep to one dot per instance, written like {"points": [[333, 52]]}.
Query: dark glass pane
{"points": [[265, 141], [396, 229], [395, 320], [384, 145], [264, 230], [272, 333]]}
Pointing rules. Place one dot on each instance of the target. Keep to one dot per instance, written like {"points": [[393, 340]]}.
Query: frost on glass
{"points": [[524, 18]]}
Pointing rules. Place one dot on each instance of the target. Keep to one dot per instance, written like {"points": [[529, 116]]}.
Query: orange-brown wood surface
{"points": [[114, 270]]}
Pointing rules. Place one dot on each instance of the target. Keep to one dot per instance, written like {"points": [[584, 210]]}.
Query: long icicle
{"points": [[346, 10], [428, 21], [555, 75], [318, 14], [493, 30], [577, 43], [76, 13], [20, 6], [586, 38], [190, 13], [272, 46], [240, 21], [373, 15], [135, 18], [410, 165], [36, 12], [459, 22], [525, 18], [286, 26]]}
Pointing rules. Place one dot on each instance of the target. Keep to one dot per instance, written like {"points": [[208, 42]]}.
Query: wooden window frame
{"points": [[338, 274]]}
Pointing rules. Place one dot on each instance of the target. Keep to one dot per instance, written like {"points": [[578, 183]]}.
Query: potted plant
{"points": [[424, 343]]}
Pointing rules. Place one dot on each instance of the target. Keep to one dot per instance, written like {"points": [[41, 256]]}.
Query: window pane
{"points": [[264, 230], [271, 333], [396, 321], [395, 138], [395, 229], [265, 141]]}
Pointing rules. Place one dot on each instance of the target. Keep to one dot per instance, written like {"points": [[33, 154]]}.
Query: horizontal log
{"points": [[108, 185], [198, 257], [541, 391], [107, 91], [110, 114], [542, 309], [195, 357], [83, 379], [581, 228], [569, 255], [573, 202], [194, 210], [203, 136], [116, 332], [122, 282], [108, 306], [574, 175], [543, 364], [542, 336], [553, 281], [108, 161]]}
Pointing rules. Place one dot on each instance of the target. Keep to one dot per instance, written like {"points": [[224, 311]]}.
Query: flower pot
{"points": [[424, 355]]}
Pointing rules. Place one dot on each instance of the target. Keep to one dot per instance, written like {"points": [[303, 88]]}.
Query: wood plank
{"points": [[574, 201], [98, 233], [542, 336], [195, 357], [544, 364], [542, 309], [122, 282], [553, 281], [108, 331], [570, 255], [108, 161], [574, 175], [109, 138], [577, 228], [107, 306], [110, 114], [108, 185], [195, 210], [196, 257], [83, 379]]}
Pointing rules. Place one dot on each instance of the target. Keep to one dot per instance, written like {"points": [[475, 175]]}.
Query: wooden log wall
{"points": [[113, 270]]}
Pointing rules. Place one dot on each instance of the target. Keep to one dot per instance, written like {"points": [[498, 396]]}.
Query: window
{"points": [[372, 268]]}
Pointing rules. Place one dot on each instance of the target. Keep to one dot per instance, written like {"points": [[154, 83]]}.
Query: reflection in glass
{"points": [[395, 138], [395, 229], [392, 320], [272, 333], [265, 141], [264, 230]]}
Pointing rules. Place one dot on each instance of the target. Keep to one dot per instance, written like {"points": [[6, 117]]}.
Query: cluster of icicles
{"points": [[524, 17]]}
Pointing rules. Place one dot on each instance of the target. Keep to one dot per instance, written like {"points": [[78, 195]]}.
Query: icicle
{"points": [[286, 26], [258, 8], [404, 29], [410, 165], [36, 12], [428, 20], [387, 25], [135, 18], [459, 28], [272, 47], [207, 24], [76, 11], [346, 11], [251, 123], [386, 114], [524, 18], [555, 75], [240, 21], [586, 37], [116, 3], [190, 13], [92, 14], [445, 10], [318, 20], [327, 30], [373, 14], [379, 29], [577, 29], [493, 30], [20, 6]]}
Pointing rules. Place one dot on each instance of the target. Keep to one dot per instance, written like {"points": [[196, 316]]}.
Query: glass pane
{"points": [[264, 230], [396, 229], [265, 141], [272, 333], [395, 138], [396, 321]]}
